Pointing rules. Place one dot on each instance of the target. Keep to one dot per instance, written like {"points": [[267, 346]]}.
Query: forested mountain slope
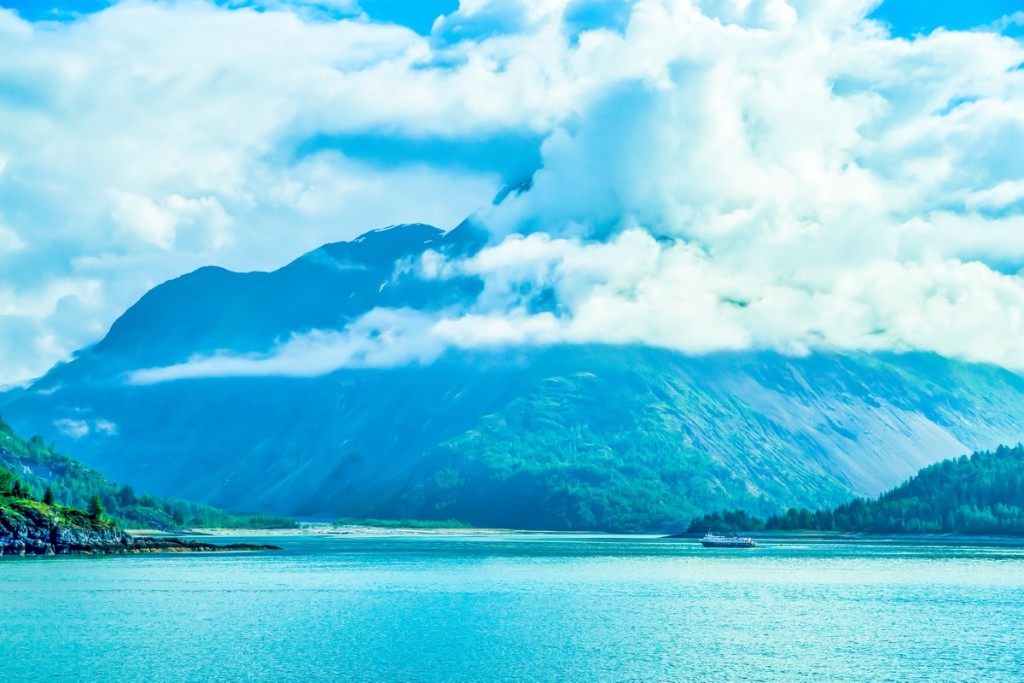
{"points": [[978, 494], [568, 437], [36, 467]]}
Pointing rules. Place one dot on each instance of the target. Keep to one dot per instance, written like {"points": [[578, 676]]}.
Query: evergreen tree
{"points": [[96, 508], [48, 496], [126, 496], [6, 481]]}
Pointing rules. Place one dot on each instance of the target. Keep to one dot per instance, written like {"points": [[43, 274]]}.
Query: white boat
{"points": [[713, 540]]}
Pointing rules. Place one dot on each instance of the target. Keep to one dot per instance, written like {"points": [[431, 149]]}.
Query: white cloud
{"points": [[382, 338], [716, 174], [1008, 21], [77, 429], [635, 290], [142, 216], [105, 427], [158, 221], [1002, 195], [9, 240]]}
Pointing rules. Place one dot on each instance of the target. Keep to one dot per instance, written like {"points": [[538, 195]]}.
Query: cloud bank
{"points": [[716, 174]]}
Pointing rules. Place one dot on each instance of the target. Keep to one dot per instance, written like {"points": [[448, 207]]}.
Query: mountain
{"points": [[213, 309], [37, 466], [978, 494], [565, 437]]}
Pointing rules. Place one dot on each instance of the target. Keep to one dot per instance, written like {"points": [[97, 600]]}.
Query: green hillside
{"points": [[980, 494], [36, 466], [18, 508], [608, 437]]}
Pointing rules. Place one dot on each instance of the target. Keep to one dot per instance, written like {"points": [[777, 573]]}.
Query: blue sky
{"points": [[860, 190], [910, 17], [418, 14], [907, 17]]}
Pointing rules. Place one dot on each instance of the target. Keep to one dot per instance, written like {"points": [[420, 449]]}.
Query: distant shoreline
{"points": [[328, 530], [859, 536], [319, 530]]}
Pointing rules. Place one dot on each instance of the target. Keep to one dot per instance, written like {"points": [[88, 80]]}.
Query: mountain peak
{"points": [[400, 230], [379, 248], [212, 309], [582, 437]]}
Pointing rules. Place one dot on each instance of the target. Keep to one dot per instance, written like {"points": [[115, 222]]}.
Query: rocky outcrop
{"points": [[148, 544], [30, 528]]}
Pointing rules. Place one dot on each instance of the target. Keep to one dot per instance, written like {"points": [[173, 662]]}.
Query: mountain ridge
{"points": [[587, 436], [38, 466]]}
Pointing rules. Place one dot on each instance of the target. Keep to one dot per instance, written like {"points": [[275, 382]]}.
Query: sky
{"points": [[706, 174]]}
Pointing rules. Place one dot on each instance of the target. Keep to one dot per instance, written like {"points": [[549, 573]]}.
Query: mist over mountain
{"points": [[251, 391]]}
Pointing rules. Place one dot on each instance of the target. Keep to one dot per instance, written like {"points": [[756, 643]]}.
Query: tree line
{"points": [[978, 494], [49, 477]]}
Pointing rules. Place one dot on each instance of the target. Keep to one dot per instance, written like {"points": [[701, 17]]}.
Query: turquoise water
{"points": [[520, 608]]}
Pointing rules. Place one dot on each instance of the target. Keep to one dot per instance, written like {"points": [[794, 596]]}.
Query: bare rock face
{"points": [[30, 528]]}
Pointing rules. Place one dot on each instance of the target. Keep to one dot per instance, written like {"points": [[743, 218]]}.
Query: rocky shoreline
{"points": [[32, 529]]}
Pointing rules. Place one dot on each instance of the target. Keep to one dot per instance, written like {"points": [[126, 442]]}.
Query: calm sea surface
{"points": [[520, 608]]}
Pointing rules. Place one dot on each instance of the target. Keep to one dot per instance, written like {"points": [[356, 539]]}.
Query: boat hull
{"points": [[729, 544]]}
